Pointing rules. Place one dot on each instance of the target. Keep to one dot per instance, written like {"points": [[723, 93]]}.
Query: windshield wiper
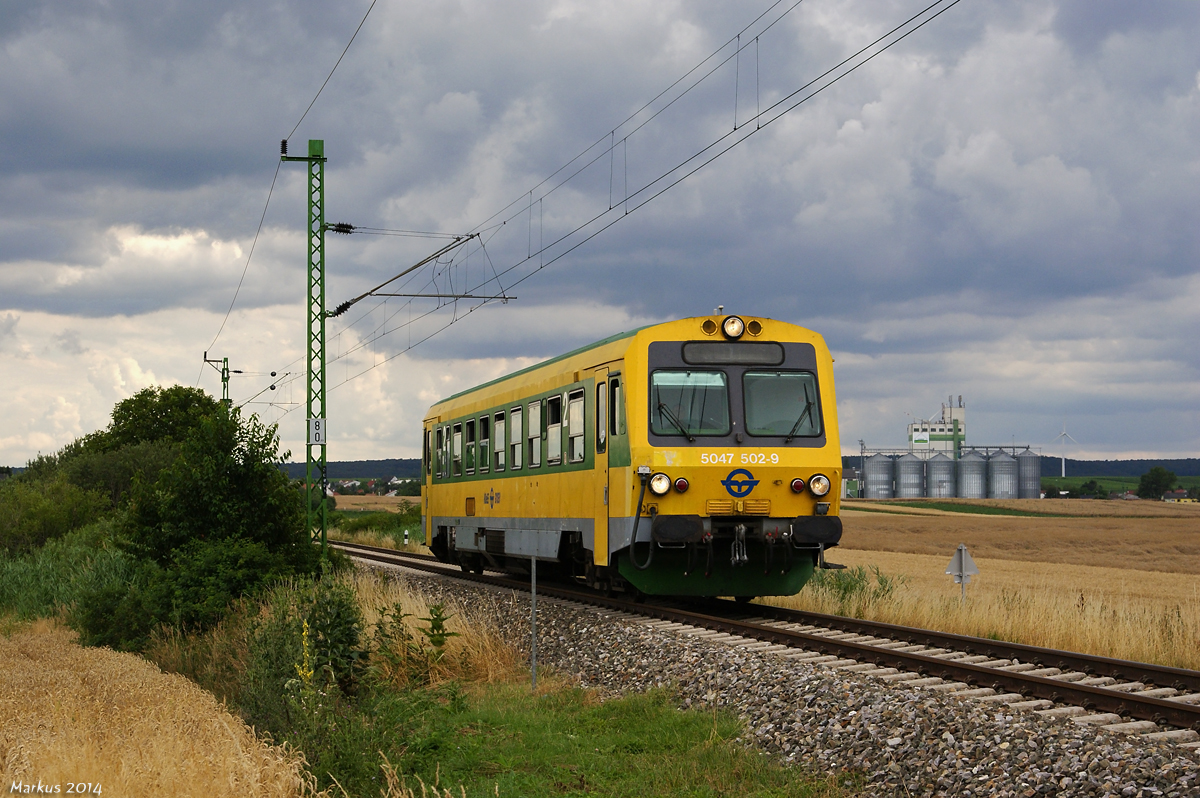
{"points": [[808, 406], [663, 410]]}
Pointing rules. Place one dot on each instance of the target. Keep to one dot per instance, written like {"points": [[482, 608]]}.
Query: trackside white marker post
{"points": [[962, 568]]}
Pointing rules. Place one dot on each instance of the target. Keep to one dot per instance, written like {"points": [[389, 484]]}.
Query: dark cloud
{"points": [[1009, 163]]}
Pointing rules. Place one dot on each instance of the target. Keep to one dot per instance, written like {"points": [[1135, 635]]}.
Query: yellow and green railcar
{"points": [[695, 458]]}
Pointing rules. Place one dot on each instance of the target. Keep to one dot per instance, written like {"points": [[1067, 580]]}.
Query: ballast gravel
{"points": [[903, 741]]}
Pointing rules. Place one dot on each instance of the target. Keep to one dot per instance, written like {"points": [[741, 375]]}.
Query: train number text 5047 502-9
{"points": [[744, 458]]}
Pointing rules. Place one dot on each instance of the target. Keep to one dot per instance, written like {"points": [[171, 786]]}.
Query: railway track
{"points": [[1114, 695]]}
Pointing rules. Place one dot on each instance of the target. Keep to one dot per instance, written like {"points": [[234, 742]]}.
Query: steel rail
{"points": [[1099, 699], [1160, 675]]}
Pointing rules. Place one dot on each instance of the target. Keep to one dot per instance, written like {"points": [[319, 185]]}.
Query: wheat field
{"points": [[70, 714], [1170, 543]]}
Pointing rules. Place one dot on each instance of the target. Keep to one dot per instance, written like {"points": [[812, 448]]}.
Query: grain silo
{"points": [[939, 477], [972, 476], [910, 477], [877, 473], [1029, 475], [1002, 476]]}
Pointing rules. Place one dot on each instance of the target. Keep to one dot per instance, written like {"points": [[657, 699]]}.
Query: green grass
{"points": [[1110, 483], [950, 507], [977, 509], [385, 523], [566, 743]]}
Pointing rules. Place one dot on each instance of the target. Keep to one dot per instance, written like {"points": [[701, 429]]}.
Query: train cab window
{"points": [[534, 435], [689, 403], [782, 403], [575, 428], [441, 456], [516, 438], [601, 417], [499, 444], [470, 447], [485, 443], [554, 425], [456, 451]]}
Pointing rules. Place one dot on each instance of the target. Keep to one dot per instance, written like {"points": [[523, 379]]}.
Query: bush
{"points": [[312, 628], [224, 485], [113, 472], [32, 512]]}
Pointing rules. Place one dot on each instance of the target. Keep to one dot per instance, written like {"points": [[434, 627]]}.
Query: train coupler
{"points": [[738, 555]]}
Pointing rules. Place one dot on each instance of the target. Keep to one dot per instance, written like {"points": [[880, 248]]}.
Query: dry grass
{"points": [[476, 653], [1170, 544], [1137, 615], [74, 714], [391, 504]]}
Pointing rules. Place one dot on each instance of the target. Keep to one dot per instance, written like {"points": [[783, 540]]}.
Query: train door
{"points": [[600, 482]]}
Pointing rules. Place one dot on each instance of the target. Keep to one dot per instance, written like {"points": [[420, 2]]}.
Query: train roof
{"points": [[594, 345]]}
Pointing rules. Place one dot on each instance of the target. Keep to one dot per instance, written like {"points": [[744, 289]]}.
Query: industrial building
{"points": [[938, 465]]}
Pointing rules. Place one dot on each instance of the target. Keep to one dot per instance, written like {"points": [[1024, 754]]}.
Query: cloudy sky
{"points": [[1001, 206]]}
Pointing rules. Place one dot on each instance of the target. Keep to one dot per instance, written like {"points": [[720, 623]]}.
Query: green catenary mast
{"points": [[315, 470]]}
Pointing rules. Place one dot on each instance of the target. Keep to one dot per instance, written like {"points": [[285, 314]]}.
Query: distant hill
{"points": [[1052, 467], [359, 469]]}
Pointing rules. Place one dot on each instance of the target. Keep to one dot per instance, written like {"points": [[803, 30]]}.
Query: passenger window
{"points": [[554, 427], [470, 446], [446, 451], [441, 458], [534, 436], [516, 438], [601, 417], [485, 443], [499, 443], [456, 450], [575, 427]]}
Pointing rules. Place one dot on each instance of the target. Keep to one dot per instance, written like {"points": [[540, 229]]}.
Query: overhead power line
{"points": [[275, 177], [544, 254]]}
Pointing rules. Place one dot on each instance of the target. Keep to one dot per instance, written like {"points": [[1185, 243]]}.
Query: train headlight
{"points": [[797, 485], [819, 485], [681, 485], [733, 327], [660, 483]]}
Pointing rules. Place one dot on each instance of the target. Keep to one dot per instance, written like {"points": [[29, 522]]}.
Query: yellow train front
{"points": [[710, 444]]}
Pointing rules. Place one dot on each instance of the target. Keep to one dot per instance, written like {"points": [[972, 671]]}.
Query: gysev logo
{"points": [[491, 498], [739, 483]]}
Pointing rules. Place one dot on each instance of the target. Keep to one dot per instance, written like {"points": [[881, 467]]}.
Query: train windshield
{"points": [[689, 403], [782, 403]]}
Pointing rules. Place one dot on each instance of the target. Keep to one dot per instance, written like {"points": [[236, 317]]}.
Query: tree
{"points": [[225, 484], [221, 521], [1155, 482], [158, 414]]}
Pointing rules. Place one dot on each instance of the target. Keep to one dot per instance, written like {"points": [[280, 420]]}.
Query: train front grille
{"points": [[738, 507]]}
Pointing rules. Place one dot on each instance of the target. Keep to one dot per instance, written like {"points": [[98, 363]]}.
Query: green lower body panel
{"points": [[665, 576]]}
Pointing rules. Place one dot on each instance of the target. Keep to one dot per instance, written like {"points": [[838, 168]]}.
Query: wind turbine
{"points": [[1064, 437]]}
